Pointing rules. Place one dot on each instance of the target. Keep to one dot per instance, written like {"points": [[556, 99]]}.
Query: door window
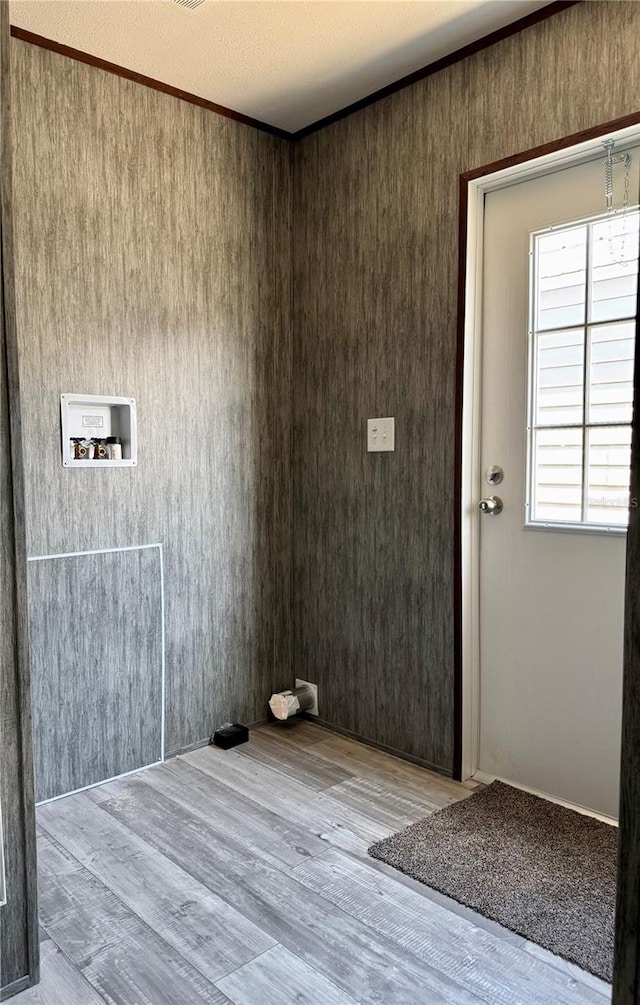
{"points": [[582, 307]]}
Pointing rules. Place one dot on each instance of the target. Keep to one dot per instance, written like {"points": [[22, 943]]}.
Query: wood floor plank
{"points": [[122, 958], [202, 927], [579, 975], [267, 834], [248, 776], [318, 812], [278, 977], [293, 761], [304, 922], [492, 969], [386, 770], [300, 732], [390, 809], [60, 982], [133, 978]]}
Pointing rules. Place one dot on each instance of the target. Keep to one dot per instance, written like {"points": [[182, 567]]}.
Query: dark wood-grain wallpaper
{"points": [[153, 257], [375, 280], [96, 671], [152, 260]]}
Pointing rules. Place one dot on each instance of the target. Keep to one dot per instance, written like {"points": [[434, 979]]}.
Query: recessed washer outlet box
{"points": [[314, 688], [96, 416]]}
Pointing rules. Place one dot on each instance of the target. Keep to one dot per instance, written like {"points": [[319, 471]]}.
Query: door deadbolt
{"points": [[494, 474], [492, 505]]}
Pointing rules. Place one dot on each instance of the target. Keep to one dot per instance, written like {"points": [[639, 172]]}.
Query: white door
{"points": [[555, 407]]}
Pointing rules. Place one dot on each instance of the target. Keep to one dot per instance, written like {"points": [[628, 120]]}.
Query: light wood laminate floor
{"points": [[242, 876]]}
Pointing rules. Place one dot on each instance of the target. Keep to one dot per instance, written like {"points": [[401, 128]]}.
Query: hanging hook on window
{"points": [[609, 162]]}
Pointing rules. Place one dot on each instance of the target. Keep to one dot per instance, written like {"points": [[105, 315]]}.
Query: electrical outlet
{"points": [[381, 434], [314, 687]]}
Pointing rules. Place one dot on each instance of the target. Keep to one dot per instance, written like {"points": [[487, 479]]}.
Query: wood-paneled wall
{"points": [[375, 279], [152, 260], [96, 667]]}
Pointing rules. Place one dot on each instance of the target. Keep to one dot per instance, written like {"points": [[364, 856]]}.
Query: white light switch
{"points": [[381, 434]]}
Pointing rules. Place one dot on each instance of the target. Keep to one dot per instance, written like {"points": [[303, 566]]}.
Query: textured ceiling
{"points": [[288, 64]]}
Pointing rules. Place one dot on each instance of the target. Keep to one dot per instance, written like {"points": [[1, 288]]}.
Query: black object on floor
{"points": [[230, 736]]}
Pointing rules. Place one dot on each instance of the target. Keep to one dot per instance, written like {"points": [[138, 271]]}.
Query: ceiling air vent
{"points": [[189, 3]]}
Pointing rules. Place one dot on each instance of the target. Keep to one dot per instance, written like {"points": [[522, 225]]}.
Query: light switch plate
{"points": [[381, 434]]}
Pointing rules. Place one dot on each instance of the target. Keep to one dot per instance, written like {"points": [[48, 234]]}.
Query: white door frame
{"points": [[530, 165]]}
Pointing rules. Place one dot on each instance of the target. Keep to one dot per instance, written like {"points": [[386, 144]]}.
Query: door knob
{"points": [[491, 506]]}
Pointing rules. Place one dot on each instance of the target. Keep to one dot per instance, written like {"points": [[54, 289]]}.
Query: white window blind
{"points": [[583, 292]]}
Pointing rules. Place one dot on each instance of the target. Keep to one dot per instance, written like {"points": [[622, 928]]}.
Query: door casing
{"points": [[571, 150]]}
